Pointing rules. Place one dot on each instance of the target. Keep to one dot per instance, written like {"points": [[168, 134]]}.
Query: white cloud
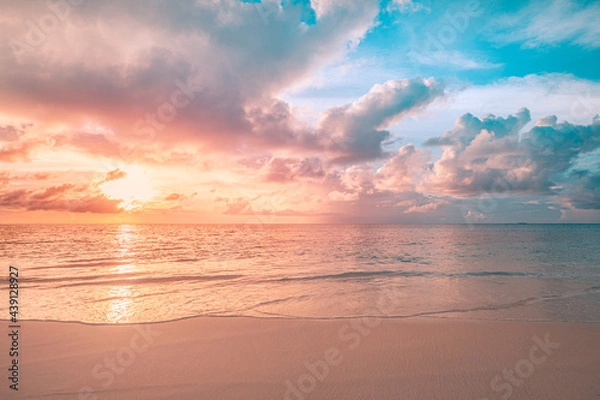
{"points": [[454, 59], [357, 130], [566, 96], [550, 24], [407, 6], [488, 154]]}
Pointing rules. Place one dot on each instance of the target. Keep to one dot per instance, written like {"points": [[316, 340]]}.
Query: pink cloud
{"points": [[174, 197], [53, 198]]}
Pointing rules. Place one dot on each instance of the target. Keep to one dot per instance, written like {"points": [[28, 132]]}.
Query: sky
{"points": [[298, 111]]}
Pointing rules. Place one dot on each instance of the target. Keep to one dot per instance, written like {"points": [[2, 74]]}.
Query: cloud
{"points": [[4, 178], [563, 95], [236, 110], [342, 196], [22, 199], [403, 171], [287, 170], [143, 88], [52, 192], [254, 207], [357, 178], [491, 155], [237, 206], [7, 177], [205, 96], [555, 147], [540, 24], [350, 133], [357, 130], [87, 204], [42, 176], [274, 125], [586, 192], [420, 206], [114, 175], [10, 133], [18, 151], [174, 197], [453, 59], [407, 6]]}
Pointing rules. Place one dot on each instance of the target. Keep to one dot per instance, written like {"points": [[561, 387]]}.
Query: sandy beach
{"points": [[249, 358]]}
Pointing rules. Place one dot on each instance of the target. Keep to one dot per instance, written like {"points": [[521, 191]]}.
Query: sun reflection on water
{"points": [[121, 306]]}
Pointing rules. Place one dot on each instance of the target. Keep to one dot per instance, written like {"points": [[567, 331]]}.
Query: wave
{"points": [[356, 274], [405, 274], [430, 313], [149, 280], [276, 301], [105, 263], [95, 259], [109, 262], [491, 273], [133, 278]]}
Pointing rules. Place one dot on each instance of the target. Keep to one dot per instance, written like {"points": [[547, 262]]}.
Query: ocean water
{"points": [[145, 273]]}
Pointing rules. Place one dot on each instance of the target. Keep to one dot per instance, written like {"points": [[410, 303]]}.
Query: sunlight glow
{"points": [[134, 189]]}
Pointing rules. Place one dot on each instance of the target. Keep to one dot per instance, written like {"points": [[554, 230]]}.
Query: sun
{"points": [[134, 189]]}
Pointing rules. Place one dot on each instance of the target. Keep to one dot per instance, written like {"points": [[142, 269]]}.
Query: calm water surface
{"points": [[134, 273]]}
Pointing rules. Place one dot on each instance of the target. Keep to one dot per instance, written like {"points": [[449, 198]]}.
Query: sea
{"points": [[113, 274]]}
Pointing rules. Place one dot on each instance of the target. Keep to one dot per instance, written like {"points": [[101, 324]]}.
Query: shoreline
{"points": [[434, 316], [277, 358]]}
